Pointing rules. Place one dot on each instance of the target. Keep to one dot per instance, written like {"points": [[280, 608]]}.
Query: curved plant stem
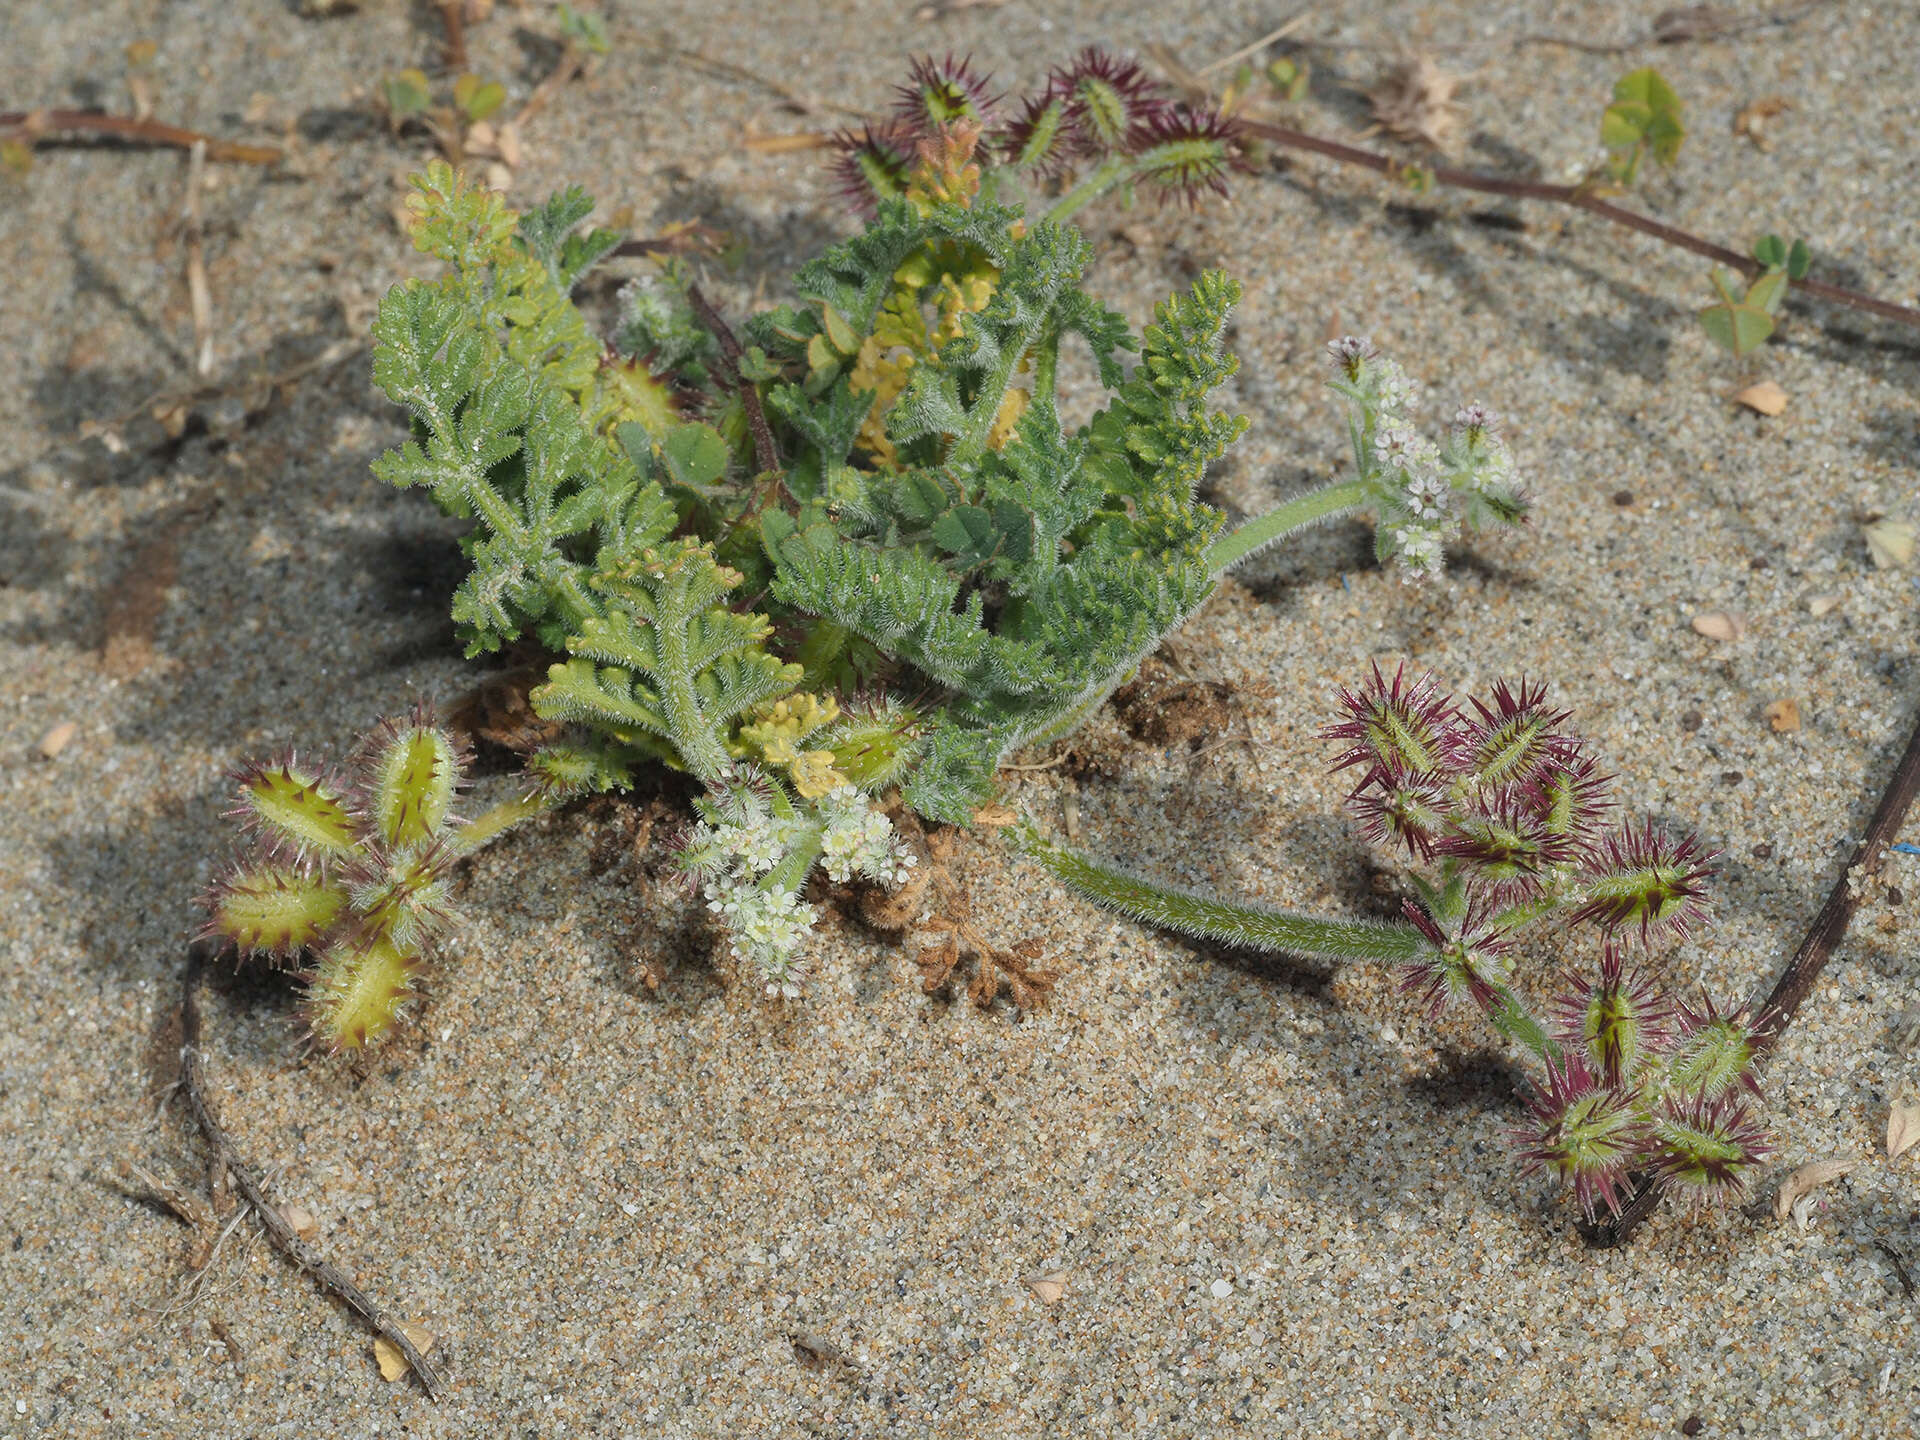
{"points": [[1258, 926], [490, 824], [1281, 521], [1113, 172], [1797, 980], [330, 1276], [1580, 199]]}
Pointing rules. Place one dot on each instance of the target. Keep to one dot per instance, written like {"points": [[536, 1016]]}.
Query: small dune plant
{"points": [[1508, 824], [843, 562], [348, 871]]}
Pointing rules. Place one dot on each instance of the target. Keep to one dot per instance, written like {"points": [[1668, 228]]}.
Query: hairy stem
{"points": [[1191, 913], [1580, 199], [1283, 520], [1105, 177], [495, 821], [1513, 1020], [193, 1082]]}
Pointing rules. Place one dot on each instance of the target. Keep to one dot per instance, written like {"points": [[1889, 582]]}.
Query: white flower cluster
{"points": [[738, 844], [858, 840], [767, 925], [1424, 493]]}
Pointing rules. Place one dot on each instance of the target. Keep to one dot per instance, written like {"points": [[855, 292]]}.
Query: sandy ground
{"points": [[1279, 1203]]}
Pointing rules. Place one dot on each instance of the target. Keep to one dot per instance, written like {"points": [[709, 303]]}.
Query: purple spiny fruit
{"points": [[1504, 842], [1705, 1149], [940, 92], [1715, 1051], [1512, 740], [1587, 1133], [1185, 152], [1107, 99], [1572, 793], [873, 163], [1641, 876], [1616, 1021], [1393, 804], [1397, 725], [1040, 137], [1467, 967]]}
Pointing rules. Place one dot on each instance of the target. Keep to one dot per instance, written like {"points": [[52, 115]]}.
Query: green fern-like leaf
{"points": [[667, 658], [499, 371]]}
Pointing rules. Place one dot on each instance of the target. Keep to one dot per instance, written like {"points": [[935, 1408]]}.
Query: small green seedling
{"points": [[477, 99], [1742, 321], [1289, 77], [1644, 119]]}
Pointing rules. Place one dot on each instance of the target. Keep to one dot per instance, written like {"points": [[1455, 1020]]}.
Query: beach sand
{"points": [[1276, 1201]]}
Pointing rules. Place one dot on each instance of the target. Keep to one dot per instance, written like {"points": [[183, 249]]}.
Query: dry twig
{"points": [[33, 125], [309, 1259], [452, 16]]}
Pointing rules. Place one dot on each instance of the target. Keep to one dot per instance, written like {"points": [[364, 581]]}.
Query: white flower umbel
{"points": [[857, 839], [1423, 494], [753, 848]]}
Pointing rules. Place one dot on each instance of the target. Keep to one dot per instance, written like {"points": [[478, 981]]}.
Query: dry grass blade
{"points": [[198, 290]]}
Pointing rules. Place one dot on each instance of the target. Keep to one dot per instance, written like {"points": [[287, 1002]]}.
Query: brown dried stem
{"points": [[32, 125], [1578, 198], [572, 60], [1803, 970], [765, 451], [456, 24], [309, 1259]]}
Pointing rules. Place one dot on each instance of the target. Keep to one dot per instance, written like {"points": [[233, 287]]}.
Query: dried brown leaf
{"points": [[1048, 1287], [1903, 1125], [1767, 398], [1783, 716], [1752, 119], [57, 739], [1803, 1182], [1414, 101], [1720, 625], [392, 1363], [1890, 543], [301, 1219]]}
